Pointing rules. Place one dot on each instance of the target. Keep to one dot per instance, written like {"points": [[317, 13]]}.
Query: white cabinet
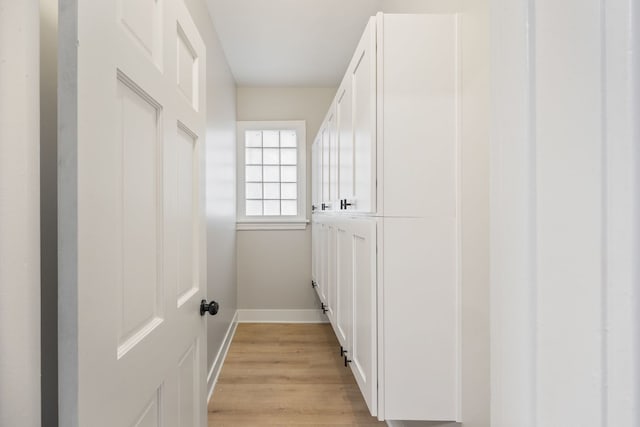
{"points": [[344, 111], [348, 260], [362, 345], [316, 174], [315, 252], [324, 264], [362, 76], [386, 248], [344, 283], [325, 158], [330, 270]]}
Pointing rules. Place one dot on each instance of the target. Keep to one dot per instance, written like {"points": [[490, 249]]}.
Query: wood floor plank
{"points": [[286, 375]]}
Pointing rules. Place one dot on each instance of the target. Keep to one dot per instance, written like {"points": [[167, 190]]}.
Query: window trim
{"points": [[298, 222]]}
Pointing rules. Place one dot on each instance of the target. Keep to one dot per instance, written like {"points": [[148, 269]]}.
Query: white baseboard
{"points": [[281, 316], [398, 423], [216, 366]]}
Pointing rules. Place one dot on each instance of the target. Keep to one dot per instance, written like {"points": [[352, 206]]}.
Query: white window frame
{"points": [[298, 222]]}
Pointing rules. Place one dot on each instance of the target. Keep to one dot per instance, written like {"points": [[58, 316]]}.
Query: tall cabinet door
{"points": [[316, 174], [344, 117], [363, 350], [363, 79], [331, 121], [326, 151], [330, 235], [323, 262], [344, 280], [314, 251]]}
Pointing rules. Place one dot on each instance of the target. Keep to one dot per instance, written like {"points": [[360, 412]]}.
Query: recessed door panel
{"points": [[186, 213], [331, 272], [333, 159], [363, 78], [152, 414], [142, 21], [326, 177], [344, 113], [187, 64], [188, 388], [364, 340], [140, 213], [344, 285]]}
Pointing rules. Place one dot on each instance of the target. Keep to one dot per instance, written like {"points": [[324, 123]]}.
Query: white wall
{"points": [[274, 267], [565, 207], [475, 202], [220, 186], [19, 214]]}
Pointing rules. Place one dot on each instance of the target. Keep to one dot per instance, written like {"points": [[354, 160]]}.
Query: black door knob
{"points": [[211, 307]]}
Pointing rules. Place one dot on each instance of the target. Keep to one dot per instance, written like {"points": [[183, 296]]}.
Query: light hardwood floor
{"points": [[286, 375]]}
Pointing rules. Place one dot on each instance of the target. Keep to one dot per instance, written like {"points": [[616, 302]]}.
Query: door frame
{"points": [[530, 41]]}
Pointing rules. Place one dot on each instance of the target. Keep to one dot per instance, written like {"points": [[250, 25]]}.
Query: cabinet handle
{"points": [[324, 206], [313, 284], [324, 308], [313, 208], [344, 204], [346, 361]]}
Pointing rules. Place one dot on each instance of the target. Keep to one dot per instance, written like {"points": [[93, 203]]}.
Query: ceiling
{"points": [[298, 43]]}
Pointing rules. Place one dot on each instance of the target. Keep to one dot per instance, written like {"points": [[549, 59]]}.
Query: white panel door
{"points": [[344, 116], [363, 75], [132, 243], [363, 349]]}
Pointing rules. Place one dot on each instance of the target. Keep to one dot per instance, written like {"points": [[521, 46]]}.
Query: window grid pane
{"points": [[271, 173]]}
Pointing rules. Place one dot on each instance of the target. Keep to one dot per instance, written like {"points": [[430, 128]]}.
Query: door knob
{"points": [[211, 307]]}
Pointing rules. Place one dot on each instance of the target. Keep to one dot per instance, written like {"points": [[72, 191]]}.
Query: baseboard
{"points": [[281, 316], [399, 423], [216, 367]]}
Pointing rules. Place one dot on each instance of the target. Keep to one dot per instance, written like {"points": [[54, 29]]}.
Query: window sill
{"points": [[272, 225]]}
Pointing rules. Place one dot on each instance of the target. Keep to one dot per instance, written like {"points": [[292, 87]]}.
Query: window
{"points": [[271, 175]]}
